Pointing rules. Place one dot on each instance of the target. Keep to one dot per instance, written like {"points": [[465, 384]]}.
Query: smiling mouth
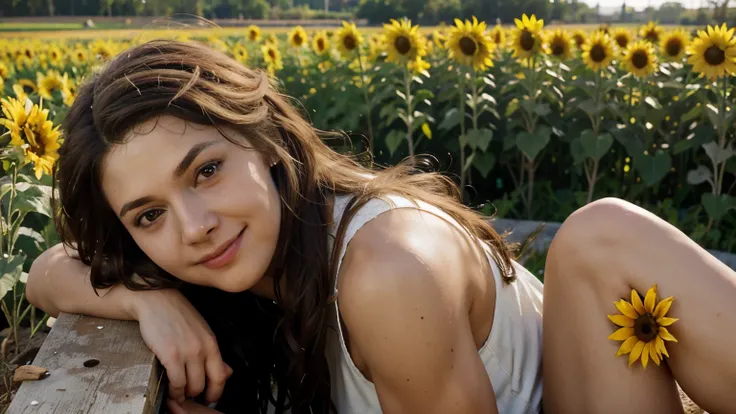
{"points": [[225, 254]]}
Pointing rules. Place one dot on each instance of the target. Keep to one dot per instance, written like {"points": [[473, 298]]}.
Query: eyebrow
{"points": [[184, 165]]}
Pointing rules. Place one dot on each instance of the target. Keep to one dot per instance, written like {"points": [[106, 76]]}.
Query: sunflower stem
{"points": [[409, 113], [463, 138], [368, 108], [596, 121]]}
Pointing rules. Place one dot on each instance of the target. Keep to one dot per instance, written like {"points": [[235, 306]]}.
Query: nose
{"points": [[197, 220]]}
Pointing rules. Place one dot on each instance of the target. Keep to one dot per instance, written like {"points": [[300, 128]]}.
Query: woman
{"points": [[352, 290]]}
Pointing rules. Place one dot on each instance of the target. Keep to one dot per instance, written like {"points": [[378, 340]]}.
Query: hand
{"points": [[188, 407], [183, 342]]}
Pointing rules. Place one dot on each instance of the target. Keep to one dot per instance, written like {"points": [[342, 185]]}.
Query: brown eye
{"points": [[148, 217], [208, 170]]}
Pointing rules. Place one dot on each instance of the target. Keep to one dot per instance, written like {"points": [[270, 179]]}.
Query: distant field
{"points": [[117, 30]]}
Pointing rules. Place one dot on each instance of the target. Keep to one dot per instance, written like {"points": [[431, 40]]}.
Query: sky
{"points": [[641, 4]]}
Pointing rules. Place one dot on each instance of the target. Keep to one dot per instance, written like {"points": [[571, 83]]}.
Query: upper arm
{"points": [[406, 312]]}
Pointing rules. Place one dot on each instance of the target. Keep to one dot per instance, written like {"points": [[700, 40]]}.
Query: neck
{"points": [[264, 288]]}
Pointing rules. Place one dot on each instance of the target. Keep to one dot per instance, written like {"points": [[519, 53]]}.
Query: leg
{"points": [[603, 251]]}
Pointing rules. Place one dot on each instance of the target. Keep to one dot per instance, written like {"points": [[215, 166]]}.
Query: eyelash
{"points": [[211, 164]]}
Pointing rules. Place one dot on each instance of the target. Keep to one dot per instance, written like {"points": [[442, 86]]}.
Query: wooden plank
{"points": [[126, 379]]}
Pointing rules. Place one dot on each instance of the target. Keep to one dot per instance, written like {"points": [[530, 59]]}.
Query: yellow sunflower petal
{"points": [[636, 302], [653, 352], [626, 308], [661, 347], [645, 354], [665, 321], [622, 334], [666, 335], [627, 346], [636, 352], [663, 307], [650, 299], [622, 320]]}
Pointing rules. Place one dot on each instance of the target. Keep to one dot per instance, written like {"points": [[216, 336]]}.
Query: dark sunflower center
{"points": [[468, 46], [558, 49], [646, 328], [253, 35], [714, 55], [527, 40], [597, 53], [39, 147], [29, 54], [350, 43], [652, 36], [639, 59], [673, 47], [579, 40], [271, 54], [622, 41], [402, 44], [497, 37], [320, 44], [298, 39]]}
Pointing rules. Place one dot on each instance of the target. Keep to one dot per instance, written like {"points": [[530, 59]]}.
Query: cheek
{"points": [[161, 250]]}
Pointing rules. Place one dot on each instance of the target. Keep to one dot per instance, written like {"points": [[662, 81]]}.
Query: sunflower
{"points": [[622, 37], [28, 86], [4, 71], [498, 35], [402, 41], [527, 36], [579, 38], [559, 44], [298, 37], [272, 57], [598, 51], [674, 44], [48, 83], [69, 91], [418, 65], [348, 39], [469, 45], [240, 53], [651, 32], [33, 132], [713, 52], [102, 51], [254, 33], [643, 327], [79, 56], [320, 43], [55, 56], [640, 59]]}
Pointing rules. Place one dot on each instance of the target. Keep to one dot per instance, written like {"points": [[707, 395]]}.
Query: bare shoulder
{"points": [[406, 288], [403, 252]]}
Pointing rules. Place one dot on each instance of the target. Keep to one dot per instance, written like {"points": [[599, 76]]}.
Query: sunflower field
{"points": [[533, 122]]}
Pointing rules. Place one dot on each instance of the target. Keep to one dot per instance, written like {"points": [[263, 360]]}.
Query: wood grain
{"points": [[127, 379]]}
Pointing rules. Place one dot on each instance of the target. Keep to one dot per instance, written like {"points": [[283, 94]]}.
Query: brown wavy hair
{"points": [[203, 86]]}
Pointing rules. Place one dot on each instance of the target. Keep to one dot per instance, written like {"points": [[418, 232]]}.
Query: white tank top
{"points": [[512, 353]]}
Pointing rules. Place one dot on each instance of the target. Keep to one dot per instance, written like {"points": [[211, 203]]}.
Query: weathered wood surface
{"points": [[127, 379]]}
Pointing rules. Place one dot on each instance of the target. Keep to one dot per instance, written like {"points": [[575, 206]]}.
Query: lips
{"points": [[224, 254]]}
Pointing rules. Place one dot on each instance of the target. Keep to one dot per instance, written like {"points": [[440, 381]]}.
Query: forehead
{"points": [[149, 157]]}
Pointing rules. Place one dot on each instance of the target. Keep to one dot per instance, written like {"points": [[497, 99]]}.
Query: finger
{"points": [[195, 378], [177, 381], [217, 374], [174, 407]]}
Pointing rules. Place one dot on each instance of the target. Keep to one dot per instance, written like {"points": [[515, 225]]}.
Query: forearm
{"points": [[59, 283]]}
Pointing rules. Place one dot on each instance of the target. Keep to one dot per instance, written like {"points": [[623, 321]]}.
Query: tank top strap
{"points": [[370, 210]]}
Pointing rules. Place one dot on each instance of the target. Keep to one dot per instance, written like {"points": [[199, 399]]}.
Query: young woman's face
{"points": [[202, 208]]}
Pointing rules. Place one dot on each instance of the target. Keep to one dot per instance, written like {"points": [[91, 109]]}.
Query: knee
{"points": [[598, 229]]}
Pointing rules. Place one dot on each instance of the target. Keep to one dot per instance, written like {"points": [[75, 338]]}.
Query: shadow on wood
{"points": [[95, 365]]}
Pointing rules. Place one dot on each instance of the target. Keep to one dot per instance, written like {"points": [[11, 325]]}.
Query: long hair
{"points": [[203, 86]]}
